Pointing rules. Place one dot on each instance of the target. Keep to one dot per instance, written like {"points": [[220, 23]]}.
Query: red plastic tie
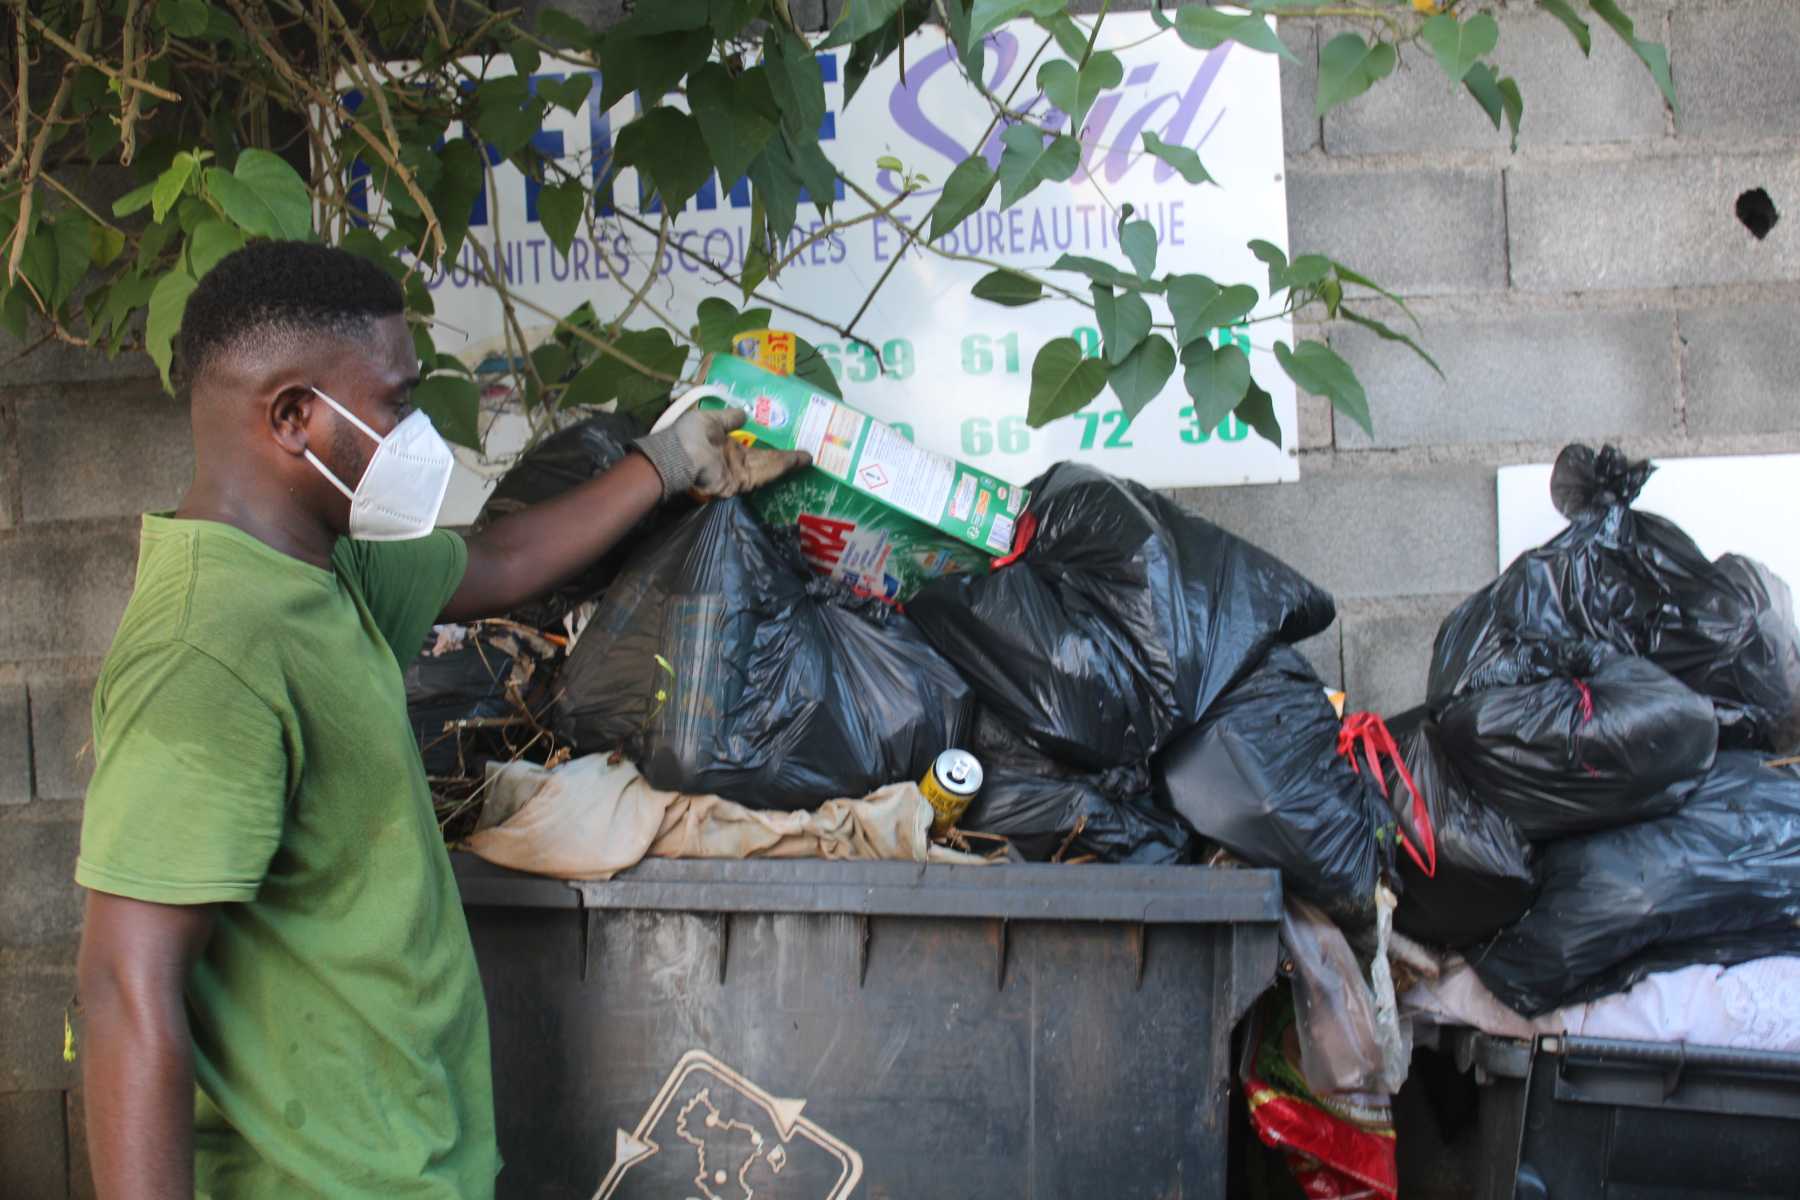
{"points": [[1021, 540], [1587, 700], [1369, 732]]}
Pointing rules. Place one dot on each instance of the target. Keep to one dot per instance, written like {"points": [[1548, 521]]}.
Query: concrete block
{"points": [[15, 745], [62, 591], [1299, 88], [33, 1145], [1315, 420], [1387, 651], [40, 906], [1588, 375], [62, 737], [1649, 223], [1369, 533], [1418, 232], [116, 453], [1742, 362], [55, 362], [1734, 71], [1325, 652], [81, 1167], [1569, 99], [32, 1004]]}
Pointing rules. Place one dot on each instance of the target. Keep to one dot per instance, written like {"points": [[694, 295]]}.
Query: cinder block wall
{"points": [[1594, 285]]}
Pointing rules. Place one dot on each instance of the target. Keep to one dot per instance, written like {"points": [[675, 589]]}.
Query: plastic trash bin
{"points": [[1580, 1118], [769, 1030]]}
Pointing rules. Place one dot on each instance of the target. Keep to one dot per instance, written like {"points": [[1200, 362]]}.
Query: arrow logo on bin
{"points": [[709, 1117]]}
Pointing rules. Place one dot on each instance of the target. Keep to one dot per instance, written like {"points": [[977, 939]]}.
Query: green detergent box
{"points": [[873, 509]]}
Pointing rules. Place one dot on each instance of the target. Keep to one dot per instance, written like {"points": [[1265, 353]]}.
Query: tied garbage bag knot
{"points": [[1369, 733]]}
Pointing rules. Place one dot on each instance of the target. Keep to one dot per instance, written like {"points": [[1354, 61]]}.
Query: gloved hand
{"points": [[697, 453]]}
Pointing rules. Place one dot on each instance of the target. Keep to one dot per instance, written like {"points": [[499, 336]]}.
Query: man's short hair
{"points": [[275, 289]]}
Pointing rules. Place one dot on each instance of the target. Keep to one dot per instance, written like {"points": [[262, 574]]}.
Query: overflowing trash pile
{"points": [[1593, 792]]}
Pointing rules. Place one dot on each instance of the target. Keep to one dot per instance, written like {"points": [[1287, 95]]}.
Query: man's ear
{"points": [[290, 408]]}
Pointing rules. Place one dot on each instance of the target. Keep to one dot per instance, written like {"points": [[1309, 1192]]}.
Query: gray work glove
{"points": [[698, 454]]}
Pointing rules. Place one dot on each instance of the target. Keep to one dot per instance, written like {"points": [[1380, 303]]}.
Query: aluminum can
{"points": [[949, 786]]}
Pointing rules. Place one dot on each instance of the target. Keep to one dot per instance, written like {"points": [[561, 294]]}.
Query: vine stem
{"points": [[81, 56], [34, 163]]}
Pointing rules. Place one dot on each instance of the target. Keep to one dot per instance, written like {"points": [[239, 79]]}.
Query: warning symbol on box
{"points": [[873, 477]]}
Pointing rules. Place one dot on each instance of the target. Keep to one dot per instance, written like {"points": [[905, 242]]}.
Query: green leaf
{"points": [[727, 17], [135, 199], [1257, 410], [1348, 276], [560, 208], [967, 189], [507, 114], [109, 243], [1063, 381], [151, 244], [461, 177], [183, 18], [1275, 259], [1138, 240], [1071, 38], [657, 350], [211, 241], [1185, 161], [651, 65], [1349, 66], [569, 94], [1216, 379], [1199, 305], [737, 116], [264, 196], [167, 303], [986, 15], [1105, 272], [525, 56], [14, 310], [1124, 320], [171, 183], [667, 16], [593, 385], [859, 19], [74, 236], [1388, 334], [811, 366], [1144, 373], [756, 251], [818, 174], [1460, 45], [1029, 160], [667, 147], [776, 186], [1074, 90], [1204, 28], [1577, 27], [1497, 97], [721, 322], [796, 83], [1654, 55], [454, 405], [1318, 368], [1008, 288], [560, 27]]}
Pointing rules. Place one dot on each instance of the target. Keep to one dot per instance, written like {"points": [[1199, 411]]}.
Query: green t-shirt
{"points": [[252, 751]]}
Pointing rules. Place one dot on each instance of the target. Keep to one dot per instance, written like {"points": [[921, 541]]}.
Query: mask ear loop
{"points": [[349, 493]]}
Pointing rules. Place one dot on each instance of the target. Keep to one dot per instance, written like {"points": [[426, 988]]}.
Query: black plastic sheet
{"points": [[1046, 809], [1634, 583], [489, 673], [1122, 620], [1602, 746], [1261, 776], [722, 664], [1718, 880], [1483, 878]]}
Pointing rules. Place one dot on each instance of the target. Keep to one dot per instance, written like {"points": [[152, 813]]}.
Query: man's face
{"points": [[374, 378]]}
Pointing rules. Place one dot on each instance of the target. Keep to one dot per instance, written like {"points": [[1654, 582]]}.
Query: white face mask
{"points": [[403, 486]]}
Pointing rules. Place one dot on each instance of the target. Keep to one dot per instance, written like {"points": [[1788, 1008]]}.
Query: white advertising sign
{"points": [[958, 369]]}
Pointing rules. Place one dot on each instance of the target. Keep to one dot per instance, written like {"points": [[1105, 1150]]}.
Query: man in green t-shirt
{"points": [[280, 994]]}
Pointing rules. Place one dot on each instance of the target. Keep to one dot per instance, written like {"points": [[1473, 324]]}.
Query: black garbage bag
{"points": [[1723, 872], [1046, 809], [721, 663], [1482, 879], [495, 673], [1120, 622], [1261, 776], [1635, 583], [585, 450], [1605, 744]]}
